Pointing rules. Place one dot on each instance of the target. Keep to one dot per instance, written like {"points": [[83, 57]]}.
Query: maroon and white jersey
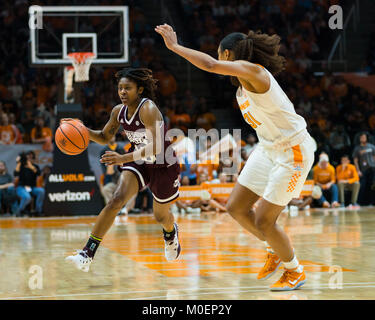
{"points": [[136, 133]]}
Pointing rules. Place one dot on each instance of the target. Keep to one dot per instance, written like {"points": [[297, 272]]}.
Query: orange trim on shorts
{"points": [[298, 159], [297, 154]]}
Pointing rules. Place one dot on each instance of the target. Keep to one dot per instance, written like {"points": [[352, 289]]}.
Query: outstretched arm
{"points": [[246, 70]]}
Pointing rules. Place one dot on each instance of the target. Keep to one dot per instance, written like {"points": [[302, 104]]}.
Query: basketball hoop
{"points": [[81, 63]]}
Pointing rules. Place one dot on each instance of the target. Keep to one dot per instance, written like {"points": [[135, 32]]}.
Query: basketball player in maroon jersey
{"points": [[144, 126]]}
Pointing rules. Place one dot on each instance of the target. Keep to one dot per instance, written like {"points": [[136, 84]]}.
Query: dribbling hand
{"points": [[168, 34], [112, 158]]}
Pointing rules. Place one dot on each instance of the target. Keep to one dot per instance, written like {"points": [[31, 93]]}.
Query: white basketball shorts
{"points": [[278, 175]]}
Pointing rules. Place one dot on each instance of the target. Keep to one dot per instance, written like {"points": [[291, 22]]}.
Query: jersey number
{"points": [[251, 120]]}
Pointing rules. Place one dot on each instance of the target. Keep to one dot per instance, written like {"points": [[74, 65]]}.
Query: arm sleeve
{"points": [[338, 175], [37, 169], [9, 178], [355, 153], [355, 175]]}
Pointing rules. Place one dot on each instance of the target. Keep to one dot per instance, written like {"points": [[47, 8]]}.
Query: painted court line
{"points": [[250, 289], [242, 291]]}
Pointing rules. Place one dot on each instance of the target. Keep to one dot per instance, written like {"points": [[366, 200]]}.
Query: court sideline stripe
{"points": [[256, 288]]}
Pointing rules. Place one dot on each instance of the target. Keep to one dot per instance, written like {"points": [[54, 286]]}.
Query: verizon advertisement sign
{"points": [[69, 196], [72, 188], [72, 194]]}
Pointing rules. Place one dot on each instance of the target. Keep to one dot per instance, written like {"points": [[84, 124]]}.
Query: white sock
{"points": [[293, 264], [268, 247]]}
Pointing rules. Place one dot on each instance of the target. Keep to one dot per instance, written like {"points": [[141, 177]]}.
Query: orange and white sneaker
{"points": [[290, 280], [272, 264]]}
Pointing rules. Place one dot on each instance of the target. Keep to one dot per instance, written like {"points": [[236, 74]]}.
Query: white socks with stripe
{"points": [[268, 247], [293, 264]]}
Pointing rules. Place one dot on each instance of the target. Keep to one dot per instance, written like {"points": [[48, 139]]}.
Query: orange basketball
{"points": [[72, 137]]}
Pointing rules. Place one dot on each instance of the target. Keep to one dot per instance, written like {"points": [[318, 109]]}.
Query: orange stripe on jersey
{"points": [[244, 105], [259, 65]]}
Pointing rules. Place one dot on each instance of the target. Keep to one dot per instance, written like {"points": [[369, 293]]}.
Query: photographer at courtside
{"points": [[26, 173]]}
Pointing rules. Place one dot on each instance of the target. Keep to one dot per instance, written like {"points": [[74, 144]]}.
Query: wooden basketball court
{"points": [[219, 260]]}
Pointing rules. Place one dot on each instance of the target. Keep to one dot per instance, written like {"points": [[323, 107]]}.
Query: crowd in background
{"points": [[335, 111]]}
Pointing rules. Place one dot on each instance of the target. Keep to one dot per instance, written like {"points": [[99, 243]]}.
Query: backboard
{"points": [[56, 31]]}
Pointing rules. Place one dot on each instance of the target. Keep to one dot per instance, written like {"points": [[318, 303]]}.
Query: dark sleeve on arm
{"points": [[9, 178], [355, 153], [37, 169]]}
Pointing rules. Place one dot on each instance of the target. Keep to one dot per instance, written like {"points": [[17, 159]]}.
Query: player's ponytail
{"points": [[256, 47], [143, 78]]}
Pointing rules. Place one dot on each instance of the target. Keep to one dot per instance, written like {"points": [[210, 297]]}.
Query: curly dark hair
{"points": [[255, 47], [143, 78]]}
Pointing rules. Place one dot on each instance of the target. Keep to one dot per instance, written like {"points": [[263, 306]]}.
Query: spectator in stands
{"points": [[27, 118], [111, 176], [8, 133], [17, 128], [208, 164], [111, 146], [185, 181], [340, 142], [325, 177], [347, 179], [340, 88], [16, 91], [205, 118], [43, 178], [189, 103], [222, 178], [26, 173], [167, 83], [143, 201], [364, 161], [181, 119], [189, 167], [251, 143], [41, 134], [8, 194]]}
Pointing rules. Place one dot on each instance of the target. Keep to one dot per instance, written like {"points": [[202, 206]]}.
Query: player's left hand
{"points": [[112, 158], [168, 34]]}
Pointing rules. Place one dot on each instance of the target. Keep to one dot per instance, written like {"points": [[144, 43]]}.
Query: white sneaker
{"points": [[172, 247], [80, 260], [174, 209], [193, 210]]}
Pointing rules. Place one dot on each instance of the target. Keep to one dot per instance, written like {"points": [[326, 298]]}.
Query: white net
{"points": [[81, 62]]}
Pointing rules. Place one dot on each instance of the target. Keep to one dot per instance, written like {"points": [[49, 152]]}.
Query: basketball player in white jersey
{"points": [[277, 169]]}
